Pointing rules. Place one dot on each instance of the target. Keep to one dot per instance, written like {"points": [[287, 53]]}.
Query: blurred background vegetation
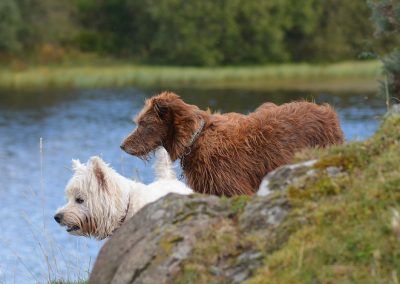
{"points": [[195, 33], [109, 43]]}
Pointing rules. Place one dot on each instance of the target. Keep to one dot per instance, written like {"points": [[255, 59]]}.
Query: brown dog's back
{"points": [[236, 151]]}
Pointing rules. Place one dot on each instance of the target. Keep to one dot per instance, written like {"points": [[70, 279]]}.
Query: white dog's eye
{"points": [[79, 200]]}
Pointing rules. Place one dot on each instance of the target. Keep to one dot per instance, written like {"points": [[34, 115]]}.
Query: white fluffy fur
{"points": [[105, 195]]}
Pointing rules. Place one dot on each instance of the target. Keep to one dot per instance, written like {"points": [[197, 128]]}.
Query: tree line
{"points": [[193, 32]]}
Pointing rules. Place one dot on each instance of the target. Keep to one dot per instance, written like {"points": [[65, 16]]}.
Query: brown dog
{"points": [[229, 154]]}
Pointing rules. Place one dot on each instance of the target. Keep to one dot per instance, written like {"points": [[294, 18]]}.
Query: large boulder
{"points": [[150, 247], [201, 238], [165, 241]]}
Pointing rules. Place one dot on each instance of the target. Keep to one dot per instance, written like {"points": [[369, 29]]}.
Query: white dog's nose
{"points": [[58, 217]]}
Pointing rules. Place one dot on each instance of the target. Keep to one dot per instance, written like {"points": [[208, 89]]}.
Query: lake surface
{"points": [[79, 124]]}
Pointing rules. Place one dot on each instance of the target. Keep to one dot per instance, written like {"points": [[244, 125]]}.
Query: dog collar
{"points": [[196, 133], [123, 218], [126, 211], [188, 148]]}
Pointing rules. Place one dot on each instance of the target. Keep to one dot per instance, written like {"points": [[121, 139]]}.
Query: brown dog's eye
{"points": [[79, 200]]}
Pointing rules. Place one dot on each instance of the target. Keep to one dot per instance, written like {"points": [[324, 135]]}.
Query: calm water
{"points": [[33, 248]]}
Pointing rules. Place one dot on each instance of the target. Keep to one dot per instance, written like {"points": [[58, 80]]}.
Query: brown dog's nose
{"points": [[58, 217], [122, 146]]}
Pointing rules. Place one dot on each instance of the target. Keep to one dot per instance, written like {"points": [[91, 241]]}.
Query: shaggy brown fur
{"points": [[233, 152]]}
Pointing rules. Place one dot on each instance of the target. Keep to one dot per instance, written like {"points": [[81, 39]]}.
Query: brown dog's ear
{"points": [[165, 102], [161, 108]]}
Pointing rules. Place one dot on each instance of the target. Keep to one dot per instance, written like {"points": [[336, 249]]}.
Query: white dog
{"points": [[100, 199]]}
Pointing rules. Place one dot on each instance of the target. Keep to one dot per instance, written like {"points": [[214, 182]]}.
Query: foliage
{"points": [[386, 15], [392, 69], [186, 32], [189, 32], [341, 30], [28, 24], [234, 31], [10, 19]]}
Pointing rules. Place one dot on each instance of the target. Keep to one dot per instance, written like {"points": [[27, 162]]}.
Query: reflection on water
{"points": [[85, 123]]}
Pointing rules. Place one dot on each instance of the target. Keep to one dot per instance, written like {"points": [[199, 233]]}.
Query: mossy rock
{"points": [[187, 239]]}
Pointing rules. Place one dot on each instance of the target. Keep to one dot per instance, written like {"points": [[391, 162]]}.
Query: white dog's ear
{"points": [[99, 170], [76, 164]]}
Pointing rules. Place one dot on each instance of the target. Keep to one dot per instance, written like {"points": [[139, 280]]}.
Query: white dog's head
{"points": [[95, 204]]}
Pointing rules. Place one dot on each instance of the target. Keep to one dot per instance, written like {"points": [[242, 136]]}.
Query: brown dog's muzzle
{"points": [[128, 150], [126, 141], [122, 146], [130, 145], [143, 140]]}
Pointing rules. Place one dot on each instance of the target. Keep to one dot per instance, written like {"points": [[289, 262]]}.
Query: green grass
{"points": [[350, 227], [345, 75]]}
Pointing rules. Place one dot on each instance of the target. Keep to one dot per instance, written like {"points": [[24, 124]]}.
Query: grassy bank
{"points": [[340, 76], [350, 224]]}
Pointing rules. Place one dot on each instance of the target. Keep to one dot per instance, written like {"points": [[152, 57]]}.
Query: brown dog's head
{"points": [[165, 121]]}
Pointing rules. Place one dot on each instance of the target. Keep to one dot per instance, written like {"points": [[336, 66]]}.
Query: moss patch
{"points": [[238, 203], [218, 243]]}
